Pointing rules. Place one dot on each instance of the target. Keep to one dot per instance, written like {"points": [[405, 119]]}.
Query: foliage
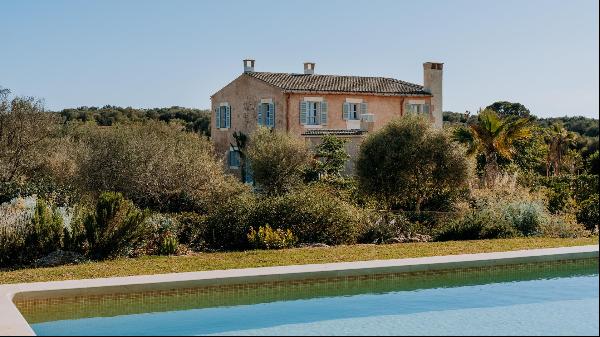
{"points": [[155, 165], [384, 227], [588, 214], [277, 160], [168, 245], [559, 141], [564, 227], [493, 137], [268, 238], [313, 214], [25, 129], [115, 228], [408, 163], [506, 109], [28, 234], [331, 155], [226, 224], [194, 120]]}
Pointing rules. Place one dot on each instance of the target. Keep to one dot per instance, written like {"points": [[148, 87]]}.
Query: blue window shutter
{"points": [[426, 108], [218, 117], [346, 111], [303, 112], [272, 115], [323, 113], [228, 117], [259, 114], [364, 108]]}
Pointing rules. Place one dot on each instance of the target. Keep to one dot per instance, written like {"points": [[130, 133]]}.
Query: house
{"points": [[311, 105]]}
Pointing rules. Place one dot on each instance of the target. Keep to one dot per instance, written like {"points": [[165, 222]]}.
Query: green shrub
{"points": [[226, 224], [115, 228], [588, 214], [45, 232], [12, 244], [559, 198], [191, 228], [562, 227], [168, 245], [383, 227], [408, 164], [526, 217], [312, 214], [278, 160], [268, 238]]}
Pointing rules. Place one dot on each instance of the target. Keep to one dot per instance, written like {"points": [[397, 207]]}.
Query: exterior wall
{"points": [[243, 95], [385, 109]]}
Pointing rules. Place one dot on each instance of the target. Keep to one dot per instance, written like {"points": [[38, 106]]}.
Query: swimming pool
{"points": [[549, 298]]}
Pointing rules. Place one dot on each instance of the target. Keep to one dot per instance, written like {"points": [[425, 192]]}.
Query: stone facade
{"points": [[244, 94]]}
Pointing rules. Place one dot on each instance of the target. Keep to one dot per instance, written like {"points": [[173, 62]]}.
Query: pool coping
{"points": [[12, 323]]}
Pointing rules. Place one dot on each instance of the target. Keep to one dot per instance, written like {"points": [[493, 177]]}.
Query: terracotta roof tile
{"points": [[338, 83]]}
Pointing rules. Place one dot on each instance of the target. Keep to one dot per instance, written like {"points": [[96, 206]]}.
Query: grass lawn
{"points": [[215, 261]]}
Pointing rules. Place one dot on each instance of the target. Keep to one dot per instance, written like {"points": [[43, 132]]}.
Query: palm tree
{"points": [[493, 136], [559, 141]]}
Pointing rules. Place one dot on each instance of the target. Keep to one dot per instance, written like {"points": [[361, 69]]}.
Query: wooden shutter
{"points": [[346, 111], [303, 112], [323, 111], [364, 109], [271, 115], [228, 116], [218, 117], [259, 114]]}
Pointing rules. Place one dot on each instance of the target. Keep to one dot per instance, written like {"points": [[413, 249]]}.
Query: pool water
{"points": [[534, 299]]}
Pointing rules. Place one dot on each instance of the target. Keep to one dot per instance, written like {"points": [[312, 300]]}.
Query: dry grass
{"points": [[265, 258]]}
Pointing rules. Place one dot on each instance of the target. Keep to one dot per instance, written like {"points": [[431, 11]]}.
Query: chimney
{"points": [[248, 66], [309, 68], [432, 82]]}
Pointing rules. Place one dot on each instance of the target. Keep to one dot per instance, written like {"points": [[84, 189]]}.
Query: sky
{"points": [[541, 53]]}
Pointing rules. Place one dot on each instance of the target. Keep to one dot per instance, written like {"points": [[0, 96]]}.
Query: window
{"points": [[417, 108], [353, 110], [233, 158], [266, 114], [313, 113], [223, 115]]}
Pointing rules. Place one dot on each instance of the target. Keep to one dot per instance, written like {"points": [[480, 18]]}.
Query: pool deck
{"points": [[12, 322]]}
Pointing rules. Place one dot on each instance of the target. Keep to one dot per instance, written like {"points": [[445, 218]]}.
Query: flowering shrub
{"points": [[268, 238]]}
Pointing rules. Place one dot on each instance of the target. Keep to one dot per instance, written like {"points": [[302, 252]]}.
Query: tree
{"points": [[493, 137], [506, 109], [24, 129], [278, 160], [241, 140], [331, 155], [559, 141], [408, 163]]}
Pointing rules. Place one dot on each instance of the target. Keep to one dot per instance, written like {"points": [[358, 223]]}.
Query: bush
{"points": [[562, 227], [526, 217], [312, 214], [278, 160], [408, 163], [116, 227], [268, 238], [155, 165], [226, 225], [588, 214], [29, 232], [168, 245], [479, 224], [384, 227]]}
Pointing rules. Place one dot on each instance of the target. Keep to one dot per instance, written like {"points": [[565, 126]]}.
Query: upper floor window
{"points": [[353, 110], [313, 112], [223, 116], [266, 113]]}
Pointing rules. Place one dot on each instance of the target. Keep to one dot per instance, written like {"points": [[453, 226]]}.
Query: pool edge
{"points": [[13, 323]]}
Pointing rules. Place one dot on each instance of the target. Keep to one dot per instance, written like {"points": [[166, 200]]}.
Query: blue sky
{"points": [[542, 53]]}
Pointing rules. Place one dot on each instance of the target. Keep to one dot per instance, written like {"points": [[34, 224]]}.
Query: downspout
{"points": [[287, 112]]}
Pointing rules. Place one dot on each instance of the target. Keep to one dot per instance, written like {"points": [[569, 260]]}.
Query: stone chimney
{"points": [[309, 68], [432, 82], [248, 66]]}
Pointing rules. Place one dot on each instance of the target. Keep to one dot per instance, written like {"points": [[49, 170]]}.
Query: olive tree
{"points": [[277, 159], [408, 164]]}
